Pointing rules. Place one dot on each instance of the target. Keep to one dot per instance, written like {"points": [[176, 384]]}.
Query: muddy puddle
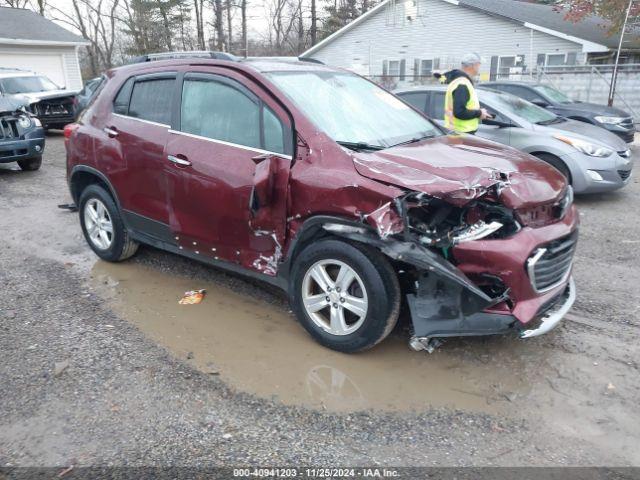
{"points": [[260, 348]]}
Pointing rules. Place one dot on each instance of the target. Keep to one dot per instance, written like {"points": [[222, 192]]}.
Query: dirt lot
{"points": [[101, 366]]}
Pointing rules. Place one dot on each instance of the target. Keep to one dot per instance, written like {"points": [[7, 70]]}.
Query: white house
{"points": [[408, 39], [31, 42]]}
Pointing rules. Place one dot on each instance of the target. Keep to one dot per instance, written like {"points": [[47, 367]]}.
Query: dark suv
{"points": [[21, 134], [320, 182], [613, 119]]}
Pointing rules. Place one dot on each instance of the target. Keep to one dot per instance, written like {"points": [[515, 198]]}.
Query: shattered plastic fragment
{"points": [[385, 220], [192, 297]]}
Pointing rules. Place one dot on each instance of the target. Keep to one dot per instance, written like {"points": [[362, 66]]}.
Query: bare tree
{"points": [[282, 22], [229, 9], [96, 21], [243, 12], [199, 11], [218, 22], [314, 23], [15, 3]]}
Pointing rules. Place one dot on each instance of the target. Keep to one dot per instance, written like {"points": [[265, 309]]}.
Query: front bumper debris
{"points": [[553, 316]]}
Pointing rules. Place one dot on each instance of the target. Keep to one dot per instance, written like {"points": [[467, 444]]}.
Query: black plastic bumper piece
{"points": [[436, 311]]}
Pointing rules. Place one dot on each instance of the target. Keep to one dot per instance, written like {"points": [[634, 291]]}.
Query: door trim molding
{"points": [[230, 144]]}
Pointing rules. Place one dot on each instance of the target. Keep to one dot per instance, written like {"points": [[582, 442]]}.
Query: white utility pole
{"points": [[614, 75]]}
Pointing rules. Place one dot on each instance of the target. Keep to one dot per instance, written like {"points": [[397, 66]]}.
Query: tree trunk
{"points": [[229, 26], [219, 24], [314, 23], [245, 44], [199, 23], [300, 29], [167, 28]]}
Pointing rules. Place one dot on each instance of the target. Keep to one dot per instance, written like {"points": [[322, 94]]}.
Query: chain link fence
{"points": [[586, 83]]}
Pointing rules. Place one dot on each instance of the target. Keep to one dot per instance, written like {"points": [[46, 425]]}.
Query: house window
{"points": [[555, 59], [505, 64], [394, 68], [426, 67]]}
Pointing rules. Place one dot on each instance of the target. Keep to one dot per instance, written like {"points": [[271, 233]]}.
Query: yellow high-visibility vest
{"points": [[458, 124]]}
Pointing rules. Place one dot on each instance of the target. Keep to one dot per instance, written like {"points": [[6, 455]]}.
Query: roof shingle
{"points": [[22, 24]]}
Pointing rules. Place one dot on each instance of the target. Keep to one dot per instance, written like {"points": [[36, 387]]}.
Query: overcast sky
{"points": [[257, 22]]}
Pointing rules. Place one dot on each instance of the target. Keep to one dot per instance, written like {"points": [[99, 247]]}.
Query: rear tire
{"points": [[30, 164], [363, 292], [557, 163], [103, 227]]}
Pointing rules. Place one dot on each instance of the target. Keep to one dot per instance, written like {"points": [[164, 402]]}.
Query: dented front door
{"points": [[225, 134]]}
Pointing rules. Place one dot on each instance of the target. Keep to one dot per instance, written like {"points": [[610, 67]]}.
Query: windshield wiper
{"points": [[360, 145], [550, 121], [415, 139]]}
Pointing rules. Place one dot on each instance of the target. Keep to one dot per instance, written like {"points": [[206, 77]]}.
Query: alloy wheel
{"points": [[334, 297], [98, 224]]}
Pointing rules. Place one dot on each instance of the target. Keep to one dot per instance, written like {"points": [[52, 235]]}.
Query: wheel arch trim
{"points": [[97, 173]]}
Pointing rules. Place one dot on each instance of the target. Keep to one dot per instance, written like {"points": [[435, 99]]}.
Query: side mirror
{"points": [[540, 103]]}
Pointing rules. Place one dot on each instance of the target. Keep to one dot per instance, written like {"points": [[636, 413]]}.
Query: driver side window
{"points": [[220, 110]]}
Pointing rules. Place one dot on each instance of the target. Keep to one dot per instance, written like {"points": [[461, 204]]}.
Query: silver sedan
{"points": [[593, 159]]}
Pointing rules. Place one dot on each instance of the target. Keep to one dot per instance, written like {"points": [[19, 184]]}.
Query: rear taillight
{"points": [[69, 129]]}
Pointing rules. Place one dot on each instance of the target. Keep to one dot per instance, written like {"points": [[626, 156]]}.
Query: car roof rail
{"points": [[150, 57]]}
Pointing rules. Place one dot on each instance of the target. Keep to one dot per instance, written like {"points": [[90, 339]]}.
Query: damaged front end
{"points": [[447, 295], [21, 135]]}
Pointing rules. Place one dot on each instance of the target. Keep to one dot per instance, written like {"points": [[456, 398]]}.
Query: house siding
{"points": [[436, 29]]}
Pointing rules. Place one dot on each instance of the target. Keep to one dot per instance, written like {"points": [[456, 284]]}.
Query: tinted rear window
{"points": [[151, 100]]}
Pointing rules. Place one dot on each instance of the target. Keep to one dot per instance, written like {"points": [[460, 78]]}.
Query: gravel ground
{"points": [[122, 399]]}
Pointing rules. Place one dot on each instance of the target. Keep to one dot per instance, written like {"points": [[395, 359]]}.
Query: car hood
{"points": [[591, 108], [12, 103], [37, 96], [585, 131], [460, 168]]}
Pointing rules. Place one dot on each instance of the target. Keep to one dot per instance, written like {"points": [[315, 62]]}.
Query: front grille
{"points": [[8, 128], [550, 264], [54, 108], [624, 174]]}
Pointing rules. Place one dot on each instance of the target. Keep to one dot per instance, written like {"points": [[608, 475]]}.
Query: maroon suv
{"points": [[320, 182]]}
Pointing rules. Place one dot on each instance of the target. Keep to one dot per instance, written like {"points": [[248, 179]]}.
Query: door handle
{"points": [[183, 162], [112, 132]]}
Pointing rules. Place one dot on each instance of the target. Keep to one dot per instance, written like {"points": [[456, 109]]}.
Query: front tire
{"points": [[30, 164], [102, 225], [346, 295]]}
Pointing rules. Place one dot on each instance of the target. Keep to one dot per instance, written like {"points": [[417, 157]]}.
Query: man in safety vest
{"points": [[462, 111]]}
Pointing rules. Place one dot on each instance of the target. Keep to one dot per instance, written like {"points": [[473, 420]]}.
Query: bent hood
{"points": [[37, 96], [11, 103], [460, 168]]}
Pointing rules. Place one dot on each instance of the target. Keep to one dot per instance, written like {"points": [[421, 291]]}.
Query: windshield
{"points": [[27, 84], [512, 105], [353, 110], [553, 94]]}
